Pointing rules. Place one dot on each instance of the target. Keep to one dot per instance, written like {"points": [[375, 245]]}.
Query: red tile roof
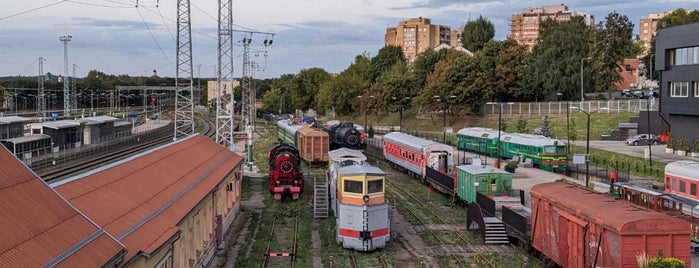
{"points": [[140, 201], [39, 227]]}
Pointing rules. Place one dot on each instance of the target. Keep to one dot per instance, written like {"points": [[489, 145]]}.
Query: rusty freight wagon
{"points": [[313, 145], [576, 227]]}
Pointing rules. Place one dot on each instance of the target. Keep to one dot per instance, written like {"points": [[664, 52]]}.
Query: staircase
{"points": [[320, 197], [495, 232]]}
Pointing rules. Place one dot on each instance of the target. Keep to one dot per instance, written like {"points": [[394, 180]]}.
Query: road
{"points": [[657, 151]]}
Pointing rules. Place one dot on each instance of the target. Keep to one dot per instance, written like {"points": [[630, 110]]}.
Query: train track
{"points": [[121, 149], [380, 258], [287, 257]]}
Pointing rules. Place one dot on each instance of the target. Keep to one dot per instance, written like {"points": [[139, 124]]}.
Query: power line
{"points": [[34, 9], [153, 36]]}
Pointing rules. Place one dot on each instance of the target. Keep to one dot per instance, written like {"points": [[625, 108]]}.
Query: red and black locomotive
{"points": [[285, 176]]}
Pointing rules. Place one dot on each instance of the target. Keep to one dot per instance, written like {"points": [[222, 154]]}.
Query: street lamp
{"points": [[364, 105], [400, 111], [587, 151], [445, 106], [650, 66], [582, 92]]}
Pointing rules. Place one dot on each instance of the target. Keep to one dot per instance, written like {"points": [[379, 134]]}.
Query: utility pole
{"points": [[224, 76], [75, 91], [40, 97], [66, 83], [184, 102]]}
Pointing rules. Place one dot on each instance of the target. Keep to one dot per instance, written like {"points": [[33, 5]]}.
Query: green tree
{"points": [[399, 88], [305, 86], [477, 33], [522, 125], [612, 44], [340, 93], [554, 64], [509, 70], [425, 62], [384, 60]]}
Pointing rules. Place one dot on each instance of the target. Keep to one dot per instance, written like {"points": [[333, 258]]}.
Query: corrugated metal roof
{"points": [[28, 138], [684, 168], [97, 120], [339, 154], [481, 132], [40, 228], [142, 200], [60, 124], [481, 169], [360, 169], [620, 215], [14, 119]]}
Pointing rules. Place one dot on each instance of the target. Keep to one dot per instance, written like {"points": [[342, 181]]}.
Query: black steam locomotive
{"points": [[345, 135]]}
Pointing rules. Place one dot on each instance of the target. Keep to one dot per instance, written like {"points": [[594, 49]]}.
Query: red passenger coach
{"points": [[682, 178], [576, 227]]}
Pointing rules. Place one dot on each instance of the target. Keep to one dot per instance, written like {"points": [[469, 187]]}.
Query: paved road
{"points": [[657, 151]]}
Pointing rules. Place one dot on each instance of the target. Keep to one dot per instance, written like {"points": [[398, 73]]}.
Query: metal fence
{"points": [[559, 107]]}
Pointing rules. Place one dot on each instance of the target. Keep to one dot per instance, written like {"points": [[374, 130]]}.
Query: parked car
{"points": [[642, 139], [638, 94], [625, 93]]}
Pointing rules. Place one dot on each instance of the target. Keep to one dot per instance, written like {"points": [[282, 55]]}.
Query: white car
{"points": [[642, 139]]}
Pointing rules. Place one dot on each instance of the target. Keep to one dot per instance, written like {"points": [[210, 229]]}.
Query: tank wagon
{"points": [[575, 227], [358, 201], [345, 135], [313, 144], [285, 176]]}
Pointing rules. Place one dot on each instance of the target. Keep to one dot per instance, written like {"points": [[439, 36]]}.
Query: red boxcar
{"points": [[576, 227]]}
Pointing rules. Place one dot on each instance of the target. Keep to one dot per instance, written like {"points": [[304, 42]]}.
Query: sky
{"points": [[134, 37]]}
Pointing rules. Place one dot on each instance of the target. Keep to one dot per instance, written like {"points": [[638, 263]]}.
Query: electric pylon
{"points": [[184, 102]]}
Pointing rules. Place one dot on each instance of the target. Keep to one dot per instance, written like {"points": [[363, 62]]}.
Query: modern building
{"points": [[417, 35], [13, 126], [40, 229], [677, 58], [647, 28], [524, 27], [169, 207]]}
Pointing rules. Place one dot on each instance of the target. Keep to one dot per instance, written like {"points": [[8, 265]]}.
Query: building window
{"points": [[695, 87], [679, 89], [684, 56]]}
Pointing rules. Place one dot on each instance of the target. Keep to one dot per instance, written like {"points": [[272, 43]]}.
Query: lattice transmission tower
{"points": [[224, 89], [66, 82], [184, 97], [41, 97]]}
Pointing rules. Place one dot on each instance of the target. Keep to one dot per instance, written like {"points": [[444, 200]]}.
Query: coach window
{"points": [[375, 186], [693, 189], [683, 189], [353, 186]]}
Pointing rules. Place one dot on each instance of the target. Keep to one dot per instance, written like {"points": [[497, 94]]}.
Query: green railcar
{"points": [[487, 180], [479, 140], [545, 153], [287, 131]]}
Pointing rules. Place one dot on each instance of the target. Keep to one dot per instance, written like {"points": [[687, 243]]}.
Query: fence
{"points": [[559, 107]]}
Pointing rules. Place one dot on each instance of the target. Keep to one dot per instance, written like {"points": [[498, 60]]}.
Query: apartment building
{"points": [[525, 26], [417, 35], [677, 54], [647, 28]]}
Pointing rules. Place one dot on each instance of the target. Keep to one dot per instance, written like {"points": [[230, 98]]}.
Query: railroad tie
{"points": [[283, 254]]}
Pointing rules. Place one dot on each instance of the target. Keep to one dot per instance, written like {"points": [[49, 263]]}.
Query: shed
{"points": [[487, 180], [12, 126], [97, 128], [64, 133], [577, 227]]}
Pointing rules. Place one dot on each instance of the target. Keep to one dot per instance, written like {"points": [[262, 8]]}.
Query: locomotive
{"points": [[545, 153], [357, 198], [345, 135], [285, 176]]}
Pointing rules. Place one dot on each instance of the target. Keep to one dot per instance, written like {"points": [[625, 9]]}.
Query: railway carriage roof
{"points": [[480, 132], [482, 169], [531, 139], [290, 126], [344, 153], [619, 215], [354, 170], [415, 142], [685, 168]]}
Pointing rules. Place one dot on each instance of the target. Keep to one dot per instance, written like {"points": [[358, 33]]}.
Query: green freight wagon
{"points": [[483, 179]]}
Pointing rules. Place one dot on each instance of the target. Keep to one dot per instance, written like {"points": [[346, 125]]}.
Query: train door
{"points": [[438, 161]]}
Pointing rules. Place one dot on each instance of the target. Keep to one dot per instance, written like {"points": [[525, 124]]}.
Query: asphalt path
{"points": [[657, 151]]}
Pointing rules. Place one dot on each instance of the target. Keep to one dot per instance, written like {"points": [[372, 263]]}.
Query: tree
{"points": [[554, 64], [425, 62], [477, 33], [384, 60], [340, 93], [612, 44], [305, 86], [509, 70], [399, 87]]}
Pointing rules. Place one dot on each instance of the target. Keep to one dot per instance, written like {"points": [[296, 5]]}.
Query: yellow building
{"points": [[524, 27], [417, 35], [227, 88]]}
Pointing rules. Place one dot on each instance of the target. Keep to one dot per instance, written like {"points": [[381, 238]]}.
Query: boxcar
{"points": [[487, 180], [313, 144], [479, 140], [546, 153], [576, 227]]}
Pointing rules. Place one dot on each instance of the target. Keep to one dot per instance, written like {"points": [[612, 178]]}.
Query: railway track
{"points": [[120, 149], [286, 257]]}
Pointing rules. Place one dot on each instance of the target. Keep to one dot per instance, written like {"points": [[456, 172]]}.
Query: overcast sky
{"points": [[116, 37]]}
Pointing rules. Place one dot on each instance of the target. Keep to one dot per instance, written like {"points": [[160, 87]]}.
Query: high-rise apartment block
{"points": [[417, 35], [647, 28], [525, 26]]}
